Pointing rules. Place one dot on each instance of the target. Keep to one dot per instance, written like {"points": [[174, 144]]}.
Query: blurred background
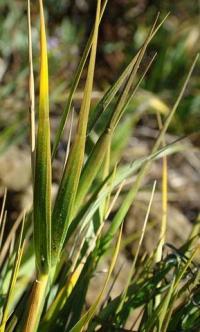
{"points": [[124, 27]]}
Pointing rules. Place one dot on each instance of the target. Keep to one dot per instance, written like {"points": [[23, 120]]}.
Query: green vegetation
{"points": [[48, 266]]}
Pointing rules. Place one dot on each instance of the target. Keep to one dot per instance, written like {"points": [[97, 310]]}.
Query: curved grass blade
{"points": [[63, 208], [42, 183]]}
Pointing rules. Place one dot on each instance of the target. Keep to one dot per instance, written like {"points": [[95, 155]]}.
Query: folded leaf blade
{"points": [[42, 183]]}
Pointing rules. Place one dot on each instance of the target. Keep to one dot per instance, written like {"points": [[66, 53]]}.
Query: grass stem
{"points": [[36, 304]]}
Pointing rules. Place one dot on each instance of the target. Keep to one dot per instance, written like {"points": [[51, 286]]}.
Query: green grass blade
{"points": [[109, 95], [42, 183], [63, 209], [132, 93], [31, 92], [74, 86], [92, 167], [165, 305]]}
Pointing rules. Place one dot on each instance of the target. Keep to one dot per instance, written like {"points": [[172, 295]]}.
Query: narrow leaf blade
{"points": [[42, 184]]}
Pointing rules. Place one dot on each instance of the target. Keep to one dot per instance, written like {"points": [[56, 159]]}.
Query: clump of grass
{"points": [[69, 238]]}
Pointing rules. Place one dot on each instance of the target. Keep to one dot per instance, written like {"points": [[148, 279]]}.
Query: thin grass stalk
{"points": [[164, 194], [3, 228], [3, 217], [163, 229], [3, 206], [108, 204], [69, 137], [104, 175]]}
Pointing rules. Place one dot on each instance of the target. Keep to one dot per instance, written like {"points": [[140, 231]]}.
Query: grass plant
{"points": [[68, 237]]}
